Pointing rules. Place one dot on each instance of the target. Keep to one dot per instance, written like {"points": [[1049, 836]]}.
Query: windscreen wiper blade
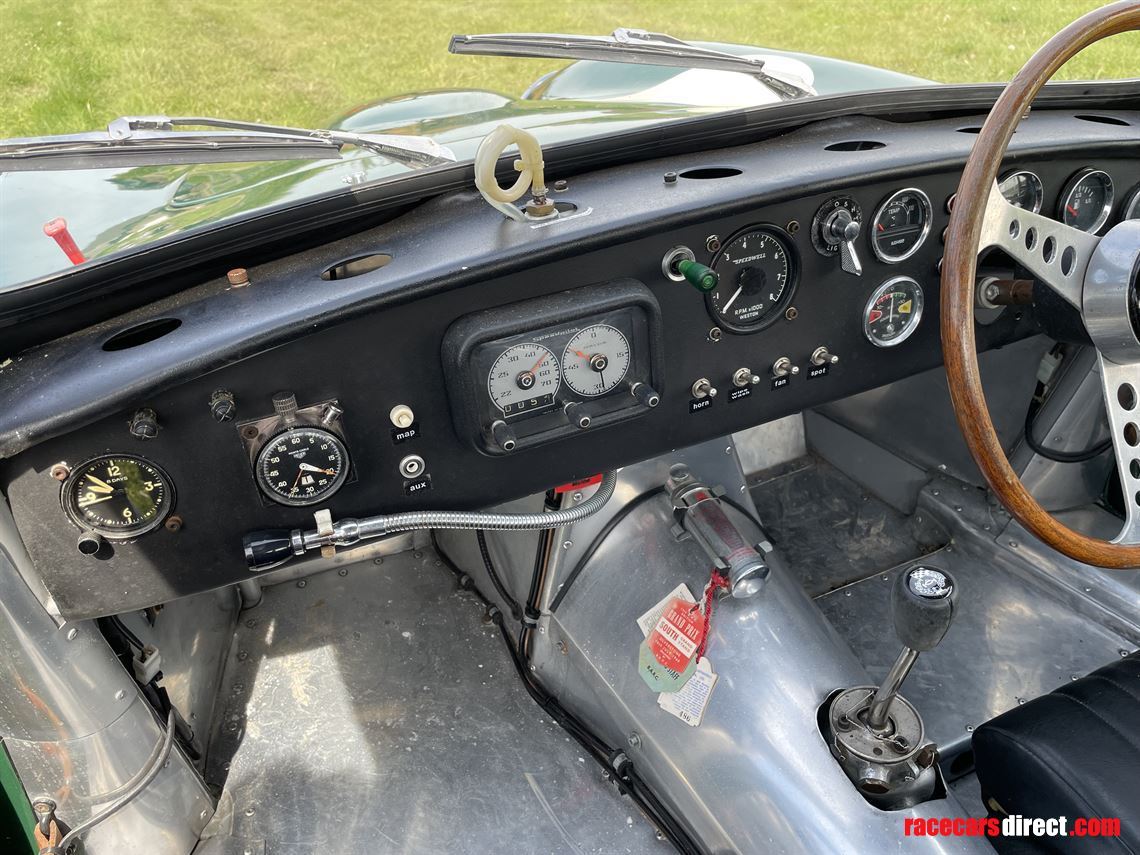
{"points": [[631, 46], [165, 139]]}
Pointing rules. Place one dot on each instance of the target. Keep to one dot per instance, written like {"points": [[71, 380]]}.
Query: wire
{"points": [[596, 543], [1053, 454], [512, 604]]}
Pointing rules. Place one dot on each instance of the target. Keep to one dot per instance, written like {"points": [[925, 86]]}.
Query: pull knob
{"points": [[646, 395], [700, 276], [823, 356], [503, 436], [783, 367], [285, 405], [144, 424], [703, 388], [89, 543], [577, 415]]}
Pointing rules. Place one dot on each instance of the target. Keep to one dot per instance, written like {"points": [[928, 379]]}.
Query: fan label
{"points": [[781, 382]]}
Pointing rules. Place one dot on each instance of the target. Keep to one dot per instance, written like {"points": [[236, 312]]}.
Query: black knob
{"points": [[923, 602], [223, 408], [144, 424], [89, 543], [267, 549]]}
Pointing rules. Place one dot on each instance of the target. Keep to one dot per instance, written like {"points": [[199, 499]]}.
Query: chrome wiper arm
{"points": [[632, 46], [406, 149]]}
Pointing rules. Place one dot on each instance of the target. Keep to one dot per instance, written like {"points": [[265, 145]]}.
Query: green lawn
{"points": [[74, 64]]}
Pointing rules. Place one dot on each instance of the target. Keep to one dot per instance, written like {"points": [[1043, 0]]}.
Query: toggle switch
{"points": [[822, 356], [783, 367]]}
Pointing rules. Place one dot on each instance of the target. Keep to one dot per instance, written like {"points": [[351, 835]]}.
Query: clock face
{"points": [[302, 466], [118, 496]]}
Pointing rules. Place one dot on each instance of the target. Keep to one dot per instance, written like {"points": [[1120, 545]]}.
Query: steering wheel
{"points": [[1099, 276]]}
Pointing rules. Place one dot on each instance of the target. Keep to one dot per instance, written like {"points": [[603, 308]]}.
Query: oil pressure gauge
{"points": [[893, 312]]}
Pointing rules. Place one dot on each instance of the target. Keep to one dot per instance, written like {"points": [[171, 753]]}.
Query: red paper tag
{"points": [[678, 634], [580, 484]]}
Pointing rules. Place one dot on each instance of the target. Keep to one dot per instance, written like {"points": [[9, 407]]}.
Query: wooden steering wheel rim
{"points": [[959, 268]]}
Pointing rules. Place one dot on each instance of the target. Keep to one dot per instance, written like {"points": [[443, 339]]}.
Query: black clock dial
{"points": [[118, 495], [302, 466]]}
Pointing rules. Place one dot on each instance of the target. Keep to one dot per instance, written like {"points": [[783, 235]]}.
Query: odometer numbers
{"points": [[302, 466], [119, 496], [757, 277]]}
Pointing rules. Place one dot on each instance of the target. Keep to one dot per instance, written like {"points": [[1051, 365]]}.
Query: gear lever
{"points": [[922, 606]]}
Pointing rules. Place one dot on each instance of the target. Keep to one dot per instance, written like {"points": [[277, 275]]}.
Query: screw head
{"points": [[715, 334], [634, 740], [792, 313], [793, 227], [712, 243], [61, 472]]}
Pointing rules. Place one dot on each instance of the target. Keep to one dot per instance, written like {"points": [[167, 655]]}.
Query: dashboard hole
{"points": [[1068, 259], [1049, 250], [1103, 120], [855, 145], [1030, 238], [1126, 395], [1134, 468], [140, 334], [706, 173], [1132, 434], [356, 266], [1014, 228]]}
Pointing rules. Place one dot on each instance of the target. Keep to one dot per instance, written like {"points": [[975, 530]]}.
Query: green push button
{"points": [[700, 276]]}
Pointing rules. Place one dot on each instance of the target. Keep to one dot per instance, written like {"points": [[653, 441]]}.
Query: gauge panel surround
{"points": [[532, 372]]}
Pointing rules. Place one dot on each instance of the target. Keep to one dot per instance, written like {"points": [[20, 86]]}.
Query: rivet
{"points": [[61, 472], [712, 243], [251, 623], [417, 554], [343, 571], [1013, 544], [72, 633], [566, 544], [634, 740], [714, 334], [377, 560], [1073, 678], [969, 728], [302, 583], [793, 227], [728, 450], [792, 313], [119, 695]]}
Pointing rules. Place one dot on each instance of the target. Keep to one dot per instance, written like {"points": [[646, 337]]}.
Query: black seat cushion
{"points": [[1074, 752]]}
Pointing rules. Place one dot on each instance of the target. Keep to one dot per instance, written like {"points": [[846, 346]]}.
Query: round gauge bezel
{"points": [[775, 313], [329, 491], [928, 222], [75, 513], [1071, 186], [874, 298], [508, 349], [616, 383], [1036, 179], [1131, 205]]}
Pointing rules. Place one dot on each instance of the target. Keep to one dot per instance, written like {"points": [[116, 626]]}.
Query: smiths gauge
{"points": [[757, 277], [595, 360], [305, 461], [523, 377], [893, 312], [901, 225], [1086, 201], [118, 496]]}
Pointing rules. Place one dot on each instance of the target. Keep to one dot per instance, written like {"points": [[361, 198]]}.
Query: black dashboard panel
{"points": [[377, 341]]}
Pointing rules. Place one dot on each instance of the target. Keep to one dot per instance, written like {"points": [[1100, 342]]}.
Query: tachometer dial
{"points": [[524, 377], [302, 466], [119, 496], [1087, 200], [901, 225], [595, 360], [757, 277], [893, 312], [1023, 190]]}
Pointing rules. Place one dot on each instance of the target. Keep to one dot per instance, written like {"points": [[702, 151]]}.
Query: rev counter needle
{"points": [[732, 299]]}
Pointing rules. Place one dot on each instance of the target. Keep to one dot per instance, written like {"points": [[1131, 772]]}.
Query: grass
{"points": [[72, 65]]}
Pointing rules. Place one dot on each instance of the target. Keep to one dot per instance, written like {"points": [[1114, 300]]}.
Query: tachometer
{"points": [[118, 496], [901, 225], [1024, 190], [1086, 200], [893, 312], [302, 466], [596, 359], [757, 278], [524, 377]]}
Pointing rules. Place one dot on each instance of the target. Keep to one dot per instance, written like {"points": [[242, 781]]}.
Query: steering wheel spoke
{"points": [[1056, 254], [1121, 385]]}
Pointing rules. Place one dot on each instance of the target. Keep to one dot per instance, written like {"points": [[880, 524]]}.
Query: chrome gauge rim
{"points": [[326, 492], [69, 499], [916, 315], [1032, 178], [1074, 184], [1131, 209], [927, 219]]}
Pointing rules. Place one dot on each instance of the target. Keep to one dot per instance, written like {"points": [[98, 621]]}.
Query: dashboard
{"points": [[452, 360]]}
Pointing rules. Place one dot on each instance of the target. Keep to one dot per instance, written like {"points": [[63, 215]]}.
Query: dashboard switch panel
{"points": [[529, 373]]}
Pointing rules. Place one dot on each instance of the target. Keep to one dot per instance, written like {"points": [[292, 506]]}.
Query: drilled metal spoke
{"points": [[1056, 254], [1121, 384]]}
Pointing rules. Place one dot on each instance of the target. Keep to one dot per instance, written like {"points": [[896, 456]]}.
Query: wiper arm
{"points": [[632, 46], [163, 139]]}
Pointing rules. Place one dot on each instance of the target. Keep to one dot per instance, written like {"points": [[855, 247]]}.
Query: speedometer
{"points": [[524, 377], [757, 277]]}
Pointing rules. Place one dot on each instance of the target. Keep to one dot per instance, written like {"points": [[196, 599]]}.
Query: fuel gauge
{"points": [[1087, 201]]}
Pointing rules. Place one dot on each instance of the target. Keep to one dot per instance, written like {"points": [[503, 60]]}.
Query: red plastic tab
{"points": [[578, 485], [57, 230], [677, 636]]}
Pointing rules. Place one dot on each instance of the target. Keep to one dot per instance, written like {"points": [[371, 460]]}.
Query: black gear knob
{"points": [[923, 602]]}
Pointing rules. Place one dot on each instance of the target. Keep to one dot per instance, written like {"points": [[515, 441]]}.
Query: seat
{"points": [[1074, 753]]}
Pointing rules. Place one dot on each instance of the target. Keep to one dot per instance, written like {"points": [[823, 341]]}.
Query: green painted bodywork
{"points": [[113, 211]]}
